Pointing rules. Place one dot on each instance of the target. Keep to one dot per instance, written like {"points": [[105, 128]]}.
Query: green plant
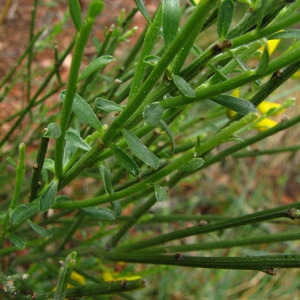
{"points": [[163, 118]]}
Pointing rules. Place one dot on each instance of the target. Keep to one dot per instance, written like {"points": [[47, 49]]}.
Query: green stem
{"points": [[37, 168], [279, 212], [94, 290], [20, 175], [80, 43], [217, 139], [254, 240], [294, 148], [150, 40], [190, 26], [32, 102], [64, 276], [133, 219], [261, 263]]}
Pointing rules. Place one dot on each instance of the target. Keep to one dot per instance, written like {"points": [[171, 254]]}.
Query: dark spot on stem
{"points": [[123, 283], [178, 256]]}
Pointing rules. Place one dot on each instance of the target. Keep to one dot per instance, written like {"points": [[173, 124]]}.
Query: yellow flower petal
{"points": [[265, 124], [265, 107], [272, 45], [78, 278]]}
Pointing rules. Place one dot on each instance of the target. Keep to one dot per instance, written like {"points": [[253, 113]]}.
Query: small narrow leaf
{"points": [[95, 66], [239, 105], [127, 162], [192, 165], [286, 34], [47, 198], [49, 164], [83, 111], [99, 213], [153, 113], [170, 20], [12, 162], [160, 192], [225, 14], [53, 131], [169, 133], [23, 212], [69, 151], [263, 62], [75, 12], [73, 137], [107, 105], [140, 150], [183, 86], [151, 60], [117, 207], [17, 241], [106, 177], [40, 230], [142, 8]]}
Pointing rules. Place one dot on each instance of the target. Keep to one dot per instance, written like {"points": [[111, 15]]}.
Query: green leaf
{"points": [[73, 137], [286, 34], [151, 60], [47, 198], [225, 14], [106, 177], [107, 105], [153, 113], [142, 8], [75, 12], [127, 162], [95, 8], [83, 111], [160, 192], [23, 212], [192, 165], [53, 131], [40, 230], [69, 151], [263, 62], [95, 66], [99, 213], [17, 241], [183, 86], [12, 162], [170, 20], [140, 150], [239, 105], [49, 164], [116, 207], [169, 133]]}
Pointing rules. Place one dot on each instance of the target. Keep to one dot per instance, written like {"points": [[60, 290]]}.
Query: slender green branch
{"points": [[229, 243], [294, 148], [37, 167], [260, 263], [191, 25], [279, 212], [80, 43], [133, 219], [99, 289]]}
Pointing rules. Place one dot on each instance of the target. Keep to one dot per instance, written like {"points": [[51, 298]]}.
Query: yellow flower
{"points": [[77, 278], [266, 107], [265, 124], [195, 2]]}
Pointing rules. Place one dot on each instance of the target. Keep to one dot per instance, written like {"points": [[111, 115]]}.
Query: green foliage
{"points": [[163, 106]]}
